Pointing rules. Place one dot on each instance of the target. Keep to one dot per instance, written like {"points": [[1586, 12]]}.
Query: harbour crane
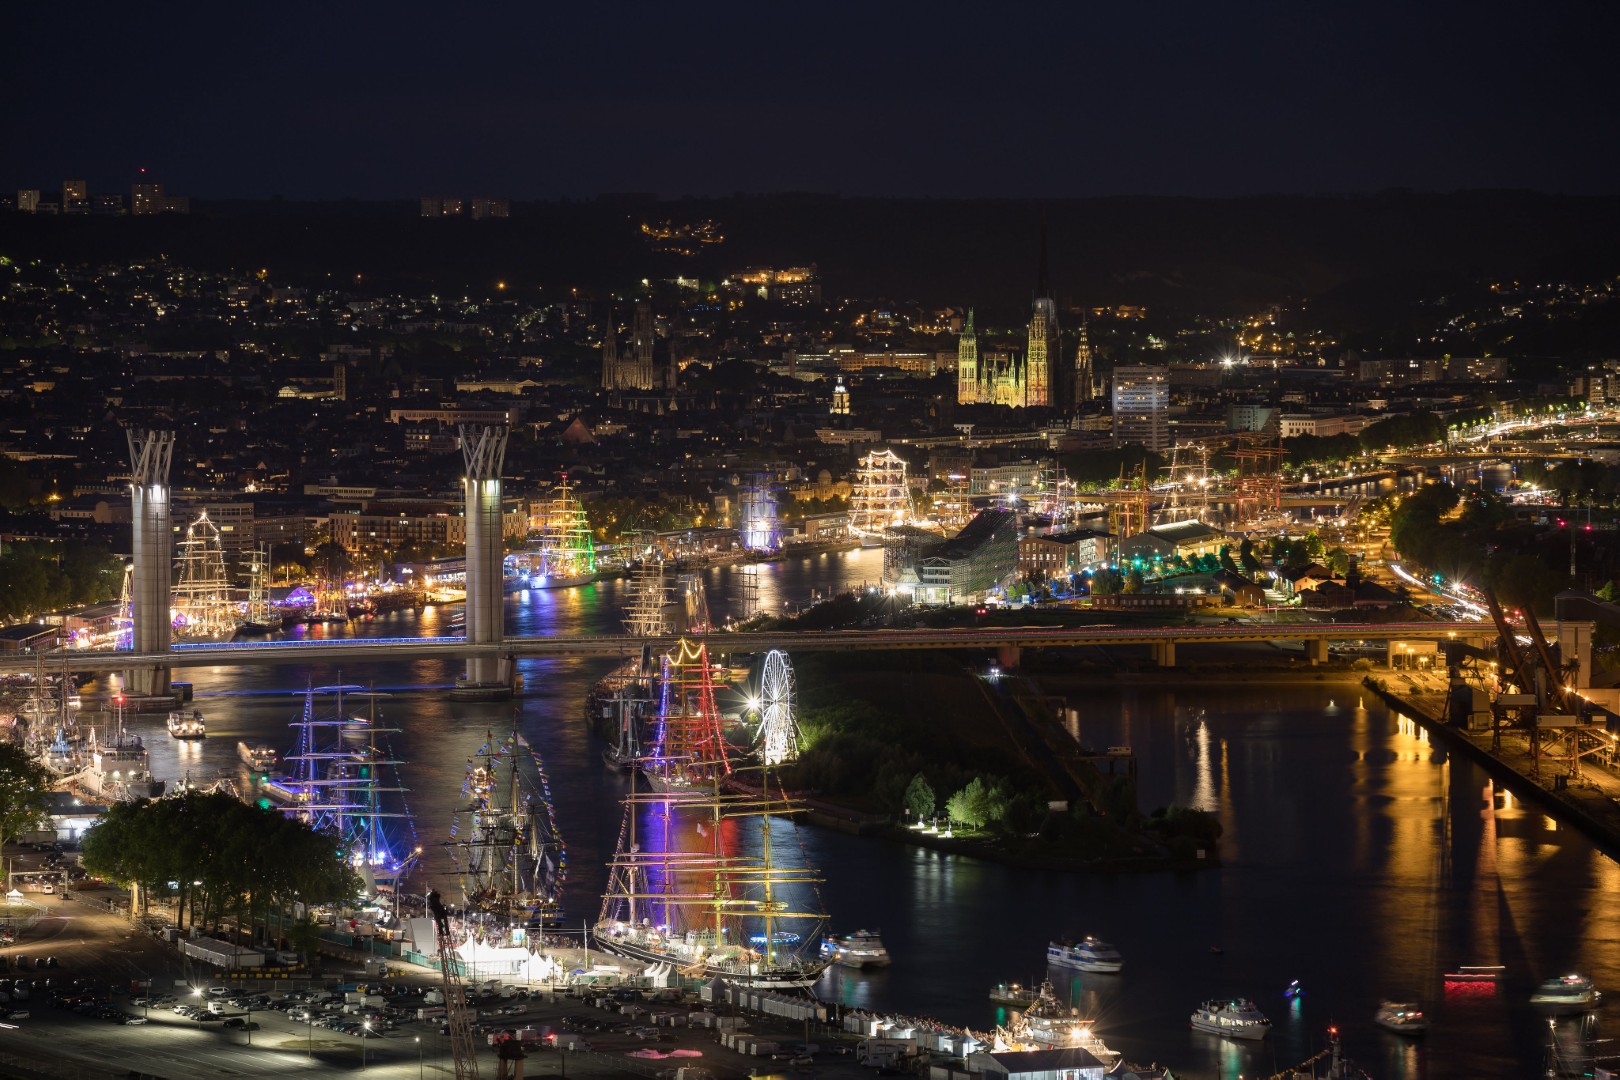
{"points": [[463, 1047]]}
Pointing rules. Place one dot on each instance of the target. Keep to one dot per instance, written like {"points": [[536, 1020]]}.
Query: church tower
{"points": [[1084, 369], [610, 353], [967, 364], [641, 344], [1042, 336]]}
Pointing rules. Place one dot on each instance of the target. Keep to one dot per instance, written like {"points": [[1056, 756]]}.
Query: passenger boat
{"points": [[1402, 1019], [182, 726], [862, 949], [260, 757], [504, 840], [1087, 954], [1567, 994], [1232, 1019], [1012, 995], [1483, 973]]}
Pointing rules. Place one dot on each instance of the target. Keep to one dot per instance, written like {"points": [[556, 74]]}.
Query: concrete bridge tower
{"points": [[151, 586], [483, 447]]}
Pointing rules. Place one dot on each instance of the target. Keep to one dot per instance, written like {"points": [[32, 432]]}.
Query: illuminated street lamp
{"points": [[365, 1036]]}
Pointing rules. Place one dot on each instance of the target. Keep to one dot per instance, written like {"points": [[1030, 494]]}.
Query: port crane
{"points": [[463, 1046]]}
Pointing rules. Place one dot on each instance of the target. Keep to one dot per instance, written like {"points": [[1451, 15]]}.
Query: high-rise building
{"points": [[28, 201], [1142, 406], [110, 205], [483, 208], [75, 190], [432, 206], [1042, 336], [967, 364], [1084, 370], [146, 199], [452, 206]]}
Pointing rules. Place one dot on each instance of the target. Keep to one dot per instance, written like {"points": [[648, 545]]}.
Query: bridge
{"points": [[1162, 640]]}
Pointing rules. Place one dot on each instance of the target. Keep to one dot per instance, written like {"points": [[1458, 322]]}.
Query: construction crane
{"points": [[463, 1047]]}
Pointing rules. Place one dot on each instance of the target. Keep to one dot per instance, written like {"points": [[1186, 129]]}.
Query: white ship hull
{"points": [[758, 976]]}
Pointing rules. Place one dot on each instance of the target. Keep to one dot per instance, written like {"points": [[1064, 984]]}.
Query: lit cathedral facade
{"points": [[1007, 378]]}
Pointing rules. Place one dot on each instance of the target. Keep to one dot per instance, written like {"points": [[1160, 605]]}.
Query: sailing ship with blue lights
{"points": [[343, 781], [505, 844]]}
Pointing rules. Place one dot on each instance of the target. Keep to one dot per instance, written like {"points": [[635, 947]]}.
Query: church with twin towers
{"points": [[1038, 378]]}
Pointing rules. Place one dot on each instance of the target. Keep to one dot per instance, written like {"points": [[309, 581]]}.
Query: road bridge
{"points": [[1163, 640]]}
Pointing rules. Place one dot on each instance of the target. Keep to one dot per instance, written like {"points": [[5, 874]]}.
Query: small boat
{"points": [[1012, 995], [1402, 1019], [182, 726], [260, 757], [1567, 994], [862, 949], [1477, 973], [1087, 954], [1050, 1025], [1232, 1019]]}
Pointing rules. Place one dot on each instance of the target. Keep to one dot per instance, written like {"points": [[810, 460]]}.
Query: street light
{"points": [[419, 1057], [365, 1036]]}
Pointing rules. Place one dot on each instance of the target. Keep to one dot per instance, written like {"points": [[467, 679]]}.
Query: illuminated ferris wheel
{"points": [[778, 725]]}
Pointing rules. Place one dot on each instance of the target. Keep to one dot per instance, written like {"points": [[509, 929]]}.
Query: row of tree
{"points": [[41, 575], [218, 856]]}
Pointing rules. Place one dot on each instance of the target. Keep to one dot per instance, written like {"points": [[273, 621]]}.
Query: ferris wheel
{"points": [[778, 724]]}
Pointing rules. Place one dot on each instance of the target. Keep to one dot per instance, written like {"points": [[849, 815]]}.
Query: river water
{"points": [[1357, 858]]}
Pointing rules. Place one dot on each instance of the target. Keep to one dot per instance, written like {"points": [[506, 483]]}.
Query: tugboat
{"points": [[182, 726]]}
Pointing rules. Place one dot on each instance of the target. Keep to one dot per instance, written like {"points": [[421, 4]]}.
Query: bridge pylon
{"points": [[483, 449], [151, 586]]}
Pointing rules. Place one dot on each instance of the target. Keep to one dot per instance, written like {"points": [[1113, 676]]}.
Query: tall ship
{"points": [[700, 883], [620, 706], [566, 555], [686, 747], [504, 842], [260, 616], [340, 779]]}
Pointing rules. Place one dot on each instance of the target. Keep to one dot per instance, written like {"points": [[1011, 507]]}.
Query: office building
{"points": [[28, 201], [1142, 407]]}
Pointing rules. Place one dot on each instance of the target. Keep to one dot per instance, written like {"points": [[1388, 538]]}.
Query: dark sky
{"points": [[998, 98]]}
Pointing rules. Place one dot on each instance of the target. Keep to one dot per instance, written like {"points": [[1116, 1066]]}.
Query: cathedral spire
{"points": [[1043, 282]]}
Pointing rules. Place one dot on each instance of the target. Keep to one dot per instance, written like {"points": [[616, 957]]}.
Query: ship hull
{"points": [[767, 979]]}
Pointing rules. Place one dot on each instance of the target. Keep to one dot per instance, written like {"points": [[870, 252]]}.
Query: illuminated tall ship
{"points": [[702, 881], [685, 746], [566, 555], [504, 842], [342, 781]]}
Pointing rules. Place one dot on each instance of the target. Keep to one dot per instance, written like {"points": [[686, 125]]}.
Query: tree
{"points": [[920, 800], [968, 805], [23, 783]]}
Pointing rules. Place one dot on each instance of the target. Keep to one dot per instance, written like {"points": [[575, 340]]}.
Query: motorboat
{"points": [[1012, 995], [1087, 954], [183, 726], [1477, 973], [1233, 1018], [1402, 1019], [862, 949], [260, 757], [1567, 994]]}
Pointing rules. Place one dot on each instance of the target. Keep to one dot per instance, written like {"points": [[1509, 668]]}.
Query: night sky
{"points": [[543, 99]]}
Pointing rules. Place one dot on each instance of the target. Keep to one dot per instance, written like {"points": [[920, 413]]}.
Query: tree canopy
{"points": [[23, 783]]}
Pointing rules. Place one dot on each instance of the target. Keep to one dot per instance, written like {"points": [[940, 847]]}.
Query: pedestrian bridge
{"points": [[1163, 640]]}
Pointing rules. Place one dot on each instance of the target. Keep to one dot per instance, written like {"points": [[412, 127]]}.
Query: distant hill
{"points": [[1356, 254]]}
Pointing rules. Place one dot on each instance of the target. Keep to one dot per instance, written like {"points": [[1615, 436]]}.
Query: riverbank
{"points": [[1589, 801]]}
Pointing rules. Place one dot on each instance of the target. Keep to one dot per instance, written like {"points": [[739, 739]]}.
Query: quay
{"points": [[1589, 801]]}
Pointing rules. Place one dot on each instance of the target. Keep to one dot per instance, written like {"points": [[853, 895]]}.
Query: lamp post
{"points": [[419, 1057], [365, 1037]]}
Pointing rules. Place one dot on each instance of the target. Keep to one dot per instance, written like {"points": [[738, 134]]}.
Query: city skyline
{"points": [[571, 103]]}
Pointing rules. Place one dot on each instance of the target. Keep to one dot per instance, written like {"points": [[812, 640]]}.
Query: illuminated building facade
{"points": [[1085, 389], [632, 369]]}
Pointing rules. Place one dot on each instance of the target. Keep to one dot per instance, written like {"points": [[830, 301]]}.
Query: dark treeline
{"points": [[38, 575]]}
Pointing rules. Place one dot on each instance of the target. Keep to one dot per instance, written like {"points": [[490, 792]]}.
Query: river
{"points": [[1357, 858]]}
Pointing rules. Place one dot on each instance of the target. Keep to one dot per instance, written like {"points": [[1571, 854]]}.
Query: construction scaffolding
{"points": [[202, 602], [881, 498]]}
